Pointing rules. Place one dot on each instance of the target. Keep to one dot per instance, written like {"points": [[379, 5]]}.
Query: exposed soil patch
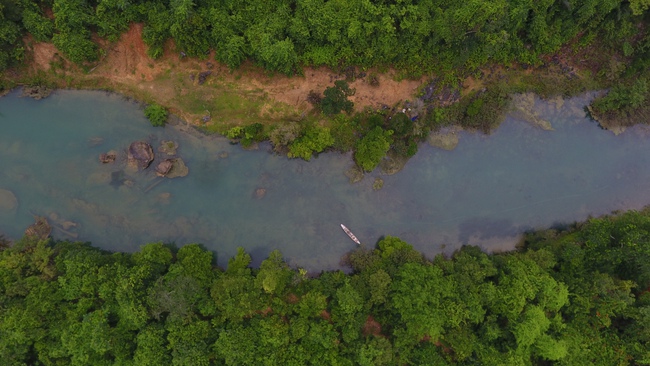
{"points": [[172, 79], [43, 55], [371, 326]]}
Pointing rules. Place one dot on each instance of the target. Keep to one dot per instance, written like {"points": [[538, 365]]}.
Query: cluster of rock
{"points": [[140, 154], [37, 92]]}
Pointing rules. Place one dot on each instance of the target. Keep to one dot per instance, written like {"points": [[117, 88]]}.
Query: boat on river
{"points": [[352, 236]]}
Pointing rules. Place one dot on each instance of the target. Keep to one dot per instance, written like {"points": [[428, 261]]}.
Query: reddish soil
{"points": [[371, 327], [126, 66]]}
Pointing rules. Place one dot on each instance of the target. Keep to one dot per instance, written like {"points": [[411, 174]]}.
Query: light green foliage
{"points": [[71, 20], [274, 274], [151, 347], [639, 6], [372, 148], [235, 132], [156, 114], [315, 140]]}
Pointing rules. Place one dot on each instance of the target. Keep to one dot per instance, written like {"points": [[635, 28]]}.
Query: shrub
{"points": [[336, 98], [156, 114], [315, 140], [372, 148]]}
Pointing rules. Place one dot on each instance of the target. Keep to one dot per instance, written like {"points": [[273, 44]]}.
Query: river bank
{"points": [[486, 192], [207, 94]]}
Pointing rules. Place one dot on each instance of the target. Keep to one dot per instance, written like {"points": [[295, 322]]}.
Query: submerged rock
{"points": [[378, 184], [108, 157], [392, 164], [164, 198], [141, 153], [524, 108], [178, 169], [354, 174], [445, 139], [168, 147], [8, 200], [260, 193]]}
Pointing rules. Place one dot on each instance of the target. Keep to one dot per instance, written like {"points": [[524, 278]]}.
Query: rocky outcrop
{"points": [[37, 92]]}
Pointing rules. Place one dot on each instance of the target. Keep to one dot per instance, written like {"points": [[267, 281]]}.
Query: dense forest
{"points": [[573, 296], [282, 35]]}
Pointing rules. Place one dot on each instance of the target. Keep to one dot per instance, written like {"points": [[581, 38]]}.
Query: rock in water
{"points": [[142, 153], [8, 200], [41, 229], [260, 193], [108, 157], [168, 147], [164, 167], [179, 169]]}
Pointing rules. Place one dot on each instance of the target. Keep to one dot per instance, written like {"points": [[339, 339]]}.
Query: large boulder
{"points": [[141, 153], [164, 167]]}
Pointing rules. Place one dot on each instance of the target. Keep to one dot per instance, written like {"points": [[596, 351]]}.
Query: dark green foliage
{"points": [[10, 35], [156, 114], [623, 97], [336, 100], [578, 297], [344, 132]]}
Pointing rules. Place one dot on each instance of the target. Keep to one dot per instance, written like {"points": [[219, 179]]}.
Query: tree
{"points": [[315, 140], [336, 98], [372, 148]]}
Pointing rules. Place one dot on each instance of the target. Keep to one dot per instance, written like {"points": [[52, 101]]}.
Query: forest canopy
{"points": [[579, 296], [283, 35]]}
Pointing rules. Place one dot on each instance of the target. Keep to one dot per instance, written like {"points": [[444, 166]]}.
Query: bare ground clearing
{"points": [[229, 97]]}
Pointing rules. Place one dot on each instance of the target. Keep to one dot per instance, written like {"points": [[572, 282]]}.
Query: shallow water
{"points": [[486, 192]]}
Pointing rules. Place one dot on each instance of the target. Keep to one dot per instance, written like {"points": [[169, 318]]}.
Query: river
{"points": [[486, 192]]}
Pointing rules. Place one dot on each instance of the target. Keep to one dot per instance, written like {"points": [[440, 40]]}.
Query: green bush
{"points": [[372, 148], [623, 97], [156, 114], [315, 140]]}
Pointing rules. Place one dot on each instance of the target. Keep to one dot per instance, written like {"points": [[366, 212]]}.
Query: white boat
{"points": [[347, 231]]}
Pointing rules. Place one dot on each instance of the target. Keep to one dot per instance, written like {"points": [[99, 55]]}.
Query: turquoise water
{"points": [[486, 192]]}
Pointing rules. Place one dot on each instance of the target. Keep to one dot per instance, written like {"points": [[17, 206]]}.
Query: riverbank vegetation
{"points": [[467, 58], [573, 296]]}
